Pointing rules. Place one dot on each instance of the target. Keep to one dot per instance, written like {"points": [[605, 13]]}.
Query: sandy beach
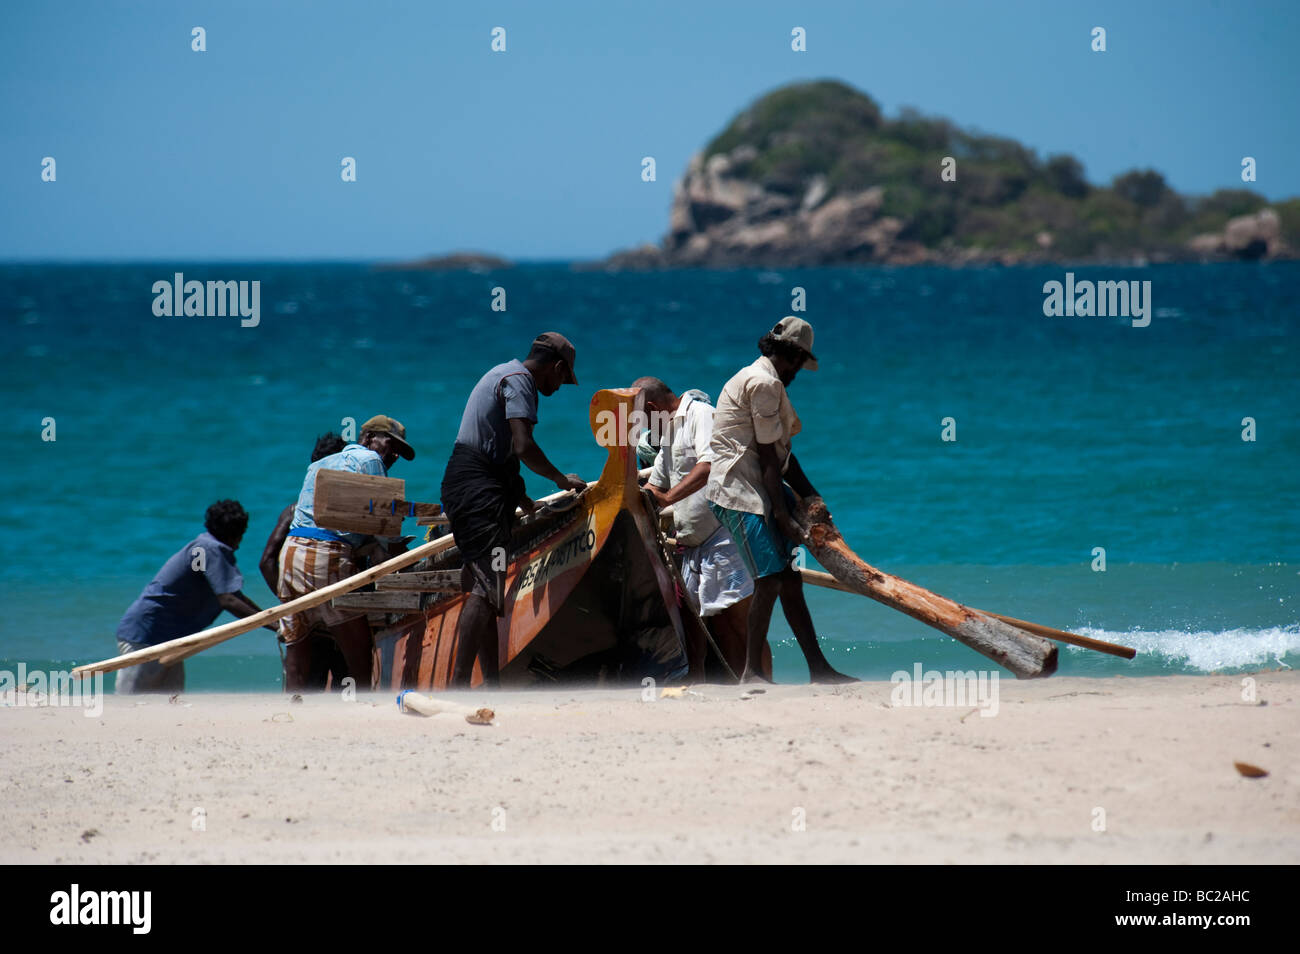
{"points": [[793, 774]]}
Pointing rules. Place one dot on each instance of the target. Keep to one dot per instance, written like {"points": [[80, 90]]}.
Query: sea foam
{"points": [[1208, 651]]}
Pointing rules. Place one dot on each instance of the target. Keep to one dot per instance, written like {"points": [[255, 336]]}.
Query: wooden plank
{"points": [[344, 501], [1026, 655], [425, 581], [399, 601]]}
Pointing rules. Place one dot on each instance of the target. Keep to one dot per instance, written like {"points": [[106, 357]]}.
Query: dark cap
{"points": [[561, 346], [383, 424]]}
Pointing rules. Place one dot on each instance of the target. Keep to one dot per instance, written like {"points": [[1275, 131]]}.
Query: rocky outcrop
{"points": [[1244, 237], [813, 174], [719, 218], [455, 262]]}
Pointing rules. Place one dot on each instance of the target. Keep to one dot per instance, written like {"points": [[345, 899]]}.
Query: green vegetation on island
{"points": [[814, 173]]}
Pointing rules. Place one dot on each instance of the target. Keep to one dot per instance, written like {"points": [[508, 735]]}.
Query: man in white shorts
{"points": [[718, 586]]}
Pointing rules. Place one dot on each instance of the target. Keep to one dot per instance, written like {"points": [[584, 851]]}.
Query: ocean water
{"points": [[1071, 434]]}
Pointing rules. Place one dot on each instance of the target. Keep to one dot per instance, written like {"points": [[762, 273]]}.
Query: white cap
{"points": [[799, 333]]}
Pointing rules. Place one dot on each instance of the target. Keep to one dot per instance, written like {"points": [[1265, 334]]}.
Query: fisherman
{"points": [[185, 596], [717, 584], [482, 486], [314, 557], [752, 430], [326, 445], [326, 658]]}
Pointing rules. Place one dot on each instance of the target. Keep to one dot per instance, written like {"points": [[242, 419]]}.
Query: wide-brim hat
{"points": [[383, 424]]}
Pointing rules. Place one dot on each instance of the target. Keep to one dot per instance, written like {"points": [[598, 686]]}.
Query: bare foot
{"points": [[750, 675]]}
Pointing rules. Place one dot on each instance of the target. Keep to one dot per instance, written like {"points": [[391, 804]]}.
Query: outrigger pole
{"points": [[817, 578]]}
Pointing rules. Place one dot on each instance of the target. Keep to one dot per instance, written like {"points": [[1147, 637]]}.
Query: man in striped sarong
{"points": [[327, 661], [313, 557]]}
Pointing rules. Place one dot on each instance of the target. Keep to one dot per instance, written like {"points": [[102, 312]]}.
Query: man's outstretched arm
{"points": [[532, 457], [799, 483], [693, 481], [237, 604], [270, 562]]}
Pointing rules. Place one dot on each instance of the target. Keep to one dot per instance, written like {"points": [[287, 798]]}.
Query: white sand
{"points": [[599, 775]]}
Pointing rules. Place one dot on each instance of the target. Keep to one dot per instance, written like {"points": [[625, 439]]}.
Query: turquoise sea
{"points": [[1071, 434]]}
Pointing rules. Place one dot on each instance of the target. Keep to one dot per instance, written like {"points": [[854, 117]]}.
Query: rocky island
{"points": [[455, 262], [813, 174]]}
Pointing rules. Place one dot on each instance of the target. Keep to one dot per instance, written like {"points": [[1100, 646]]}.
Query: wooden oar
{"points": [[818, 578], [185, 646]]}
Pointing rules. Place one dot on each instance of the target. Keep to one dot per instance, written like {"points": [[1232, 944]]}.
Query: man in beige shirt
{"points": [[752, 461]]}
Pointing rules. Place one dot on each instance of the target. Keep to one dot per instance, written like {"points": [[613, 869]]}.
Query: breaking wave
{"points": [[1206, 651]]}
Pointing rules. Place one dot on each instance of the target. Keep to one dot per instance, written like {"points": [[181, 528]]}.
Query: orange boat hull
{"points": [[592, 600]]}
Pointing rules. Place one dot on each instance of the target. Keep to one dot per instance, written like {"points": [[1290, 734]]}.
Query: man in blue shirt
{"points": [[185, 596], [314, 557], [482, 487]]}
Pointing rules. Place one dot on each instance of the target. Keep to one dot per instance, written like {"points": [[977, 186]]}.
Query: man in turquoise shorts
{"points": [[752, 461]]}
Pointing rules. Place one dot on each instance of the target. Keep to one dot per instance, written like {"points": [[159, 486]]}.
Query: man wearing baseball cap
{"points": [[752, 461], [482, 487], [314, 557]]}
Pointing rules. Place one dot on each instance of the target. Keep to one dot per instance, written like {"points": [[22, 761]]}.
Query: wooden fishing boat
{"points": [[589, 590]]}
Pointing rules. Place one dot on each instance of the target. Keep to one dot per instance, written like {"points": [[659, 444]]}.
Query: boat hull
{"points": [[592, 600]]}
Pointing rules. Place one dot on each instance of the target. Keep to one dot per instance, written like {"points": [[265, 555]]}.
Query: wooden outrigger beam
{"points": [[817, 578], [1026, 655]]}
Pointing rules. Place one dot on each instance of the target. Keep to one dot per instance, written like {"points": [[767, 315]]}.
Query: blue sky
{"points": [[164, 153]]}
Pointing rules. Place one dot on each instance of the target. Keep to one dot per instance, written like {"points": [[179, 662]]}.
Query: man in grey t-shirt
{"points": [[482, 487], [507, 392]]}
